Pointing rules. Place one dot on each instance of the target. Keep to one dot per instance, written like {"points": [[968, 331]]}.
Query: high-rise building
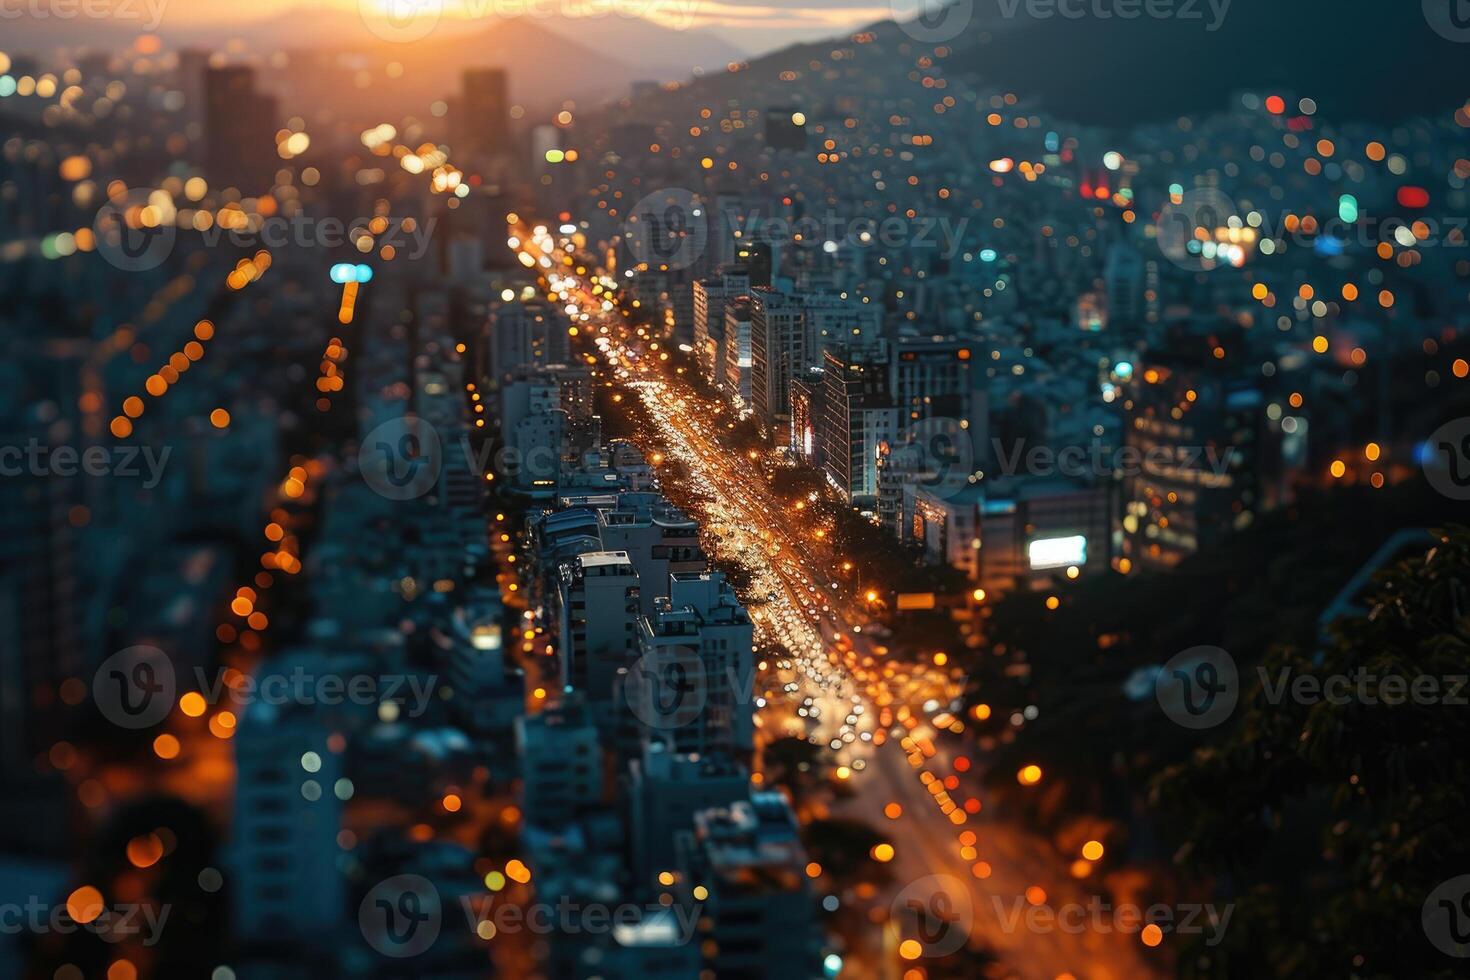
{"points": [[239, 130], [1123, 272], [666, 789], [710, 296], [932, 379], [658, 539], [760, 257], [288, 811], [598, 604], [533, 426], [808, 415], [1195, 421], [701, 631], [521, 335], [488, 694], [481, 134], [759, 914], [737, 348], [778, 350], [189, 75], [560, 753], [857, 419], [837, 324]]}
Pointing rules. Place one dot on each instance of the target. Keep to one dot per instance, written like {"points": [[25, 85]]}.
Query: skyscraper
{"points": [[759, 916], [239, 130], [1196, 423], [710, 296], [481, 133], [857, 417], [287, 813], [598, 599], [778, 349]]}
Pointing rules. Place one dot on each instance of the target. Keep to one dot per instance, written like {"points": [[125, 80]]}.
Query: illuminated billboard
{"points": [[1057, 552]]}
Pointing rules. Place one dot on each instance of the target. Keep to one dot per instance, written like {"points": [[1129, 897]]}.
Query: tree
{"points": [[844, 850], [794, 763], [1336, 818]]}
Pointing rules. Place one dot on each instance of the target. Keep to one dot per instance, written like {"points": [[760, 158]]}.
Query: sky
{"points": [[754, 26]]}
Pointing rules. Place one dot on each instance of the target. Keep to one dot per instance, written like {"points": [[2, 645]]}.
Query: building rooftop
{"points": [[598, 559]]}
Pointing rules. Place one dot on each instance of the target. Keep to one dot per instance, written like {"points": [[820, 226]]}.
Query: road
{"points": [[880, 717]]}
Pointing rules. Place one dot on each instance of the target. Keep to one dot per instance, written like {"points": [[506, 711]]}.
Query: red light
{"points": [[1413, 197], [1275, 105]]}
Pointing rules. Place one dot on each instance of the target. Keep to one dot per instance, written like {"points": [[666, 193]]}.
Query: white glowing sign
{"points": [[1057, 552]]}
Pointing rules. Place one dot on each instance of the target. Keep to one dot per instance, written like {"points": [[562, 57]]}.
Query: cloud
{"points": [[835, 15]]}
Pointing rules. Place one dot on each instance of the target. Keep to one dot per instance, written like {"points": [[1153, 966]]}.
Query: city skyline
{"points": [[979, 494]]}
